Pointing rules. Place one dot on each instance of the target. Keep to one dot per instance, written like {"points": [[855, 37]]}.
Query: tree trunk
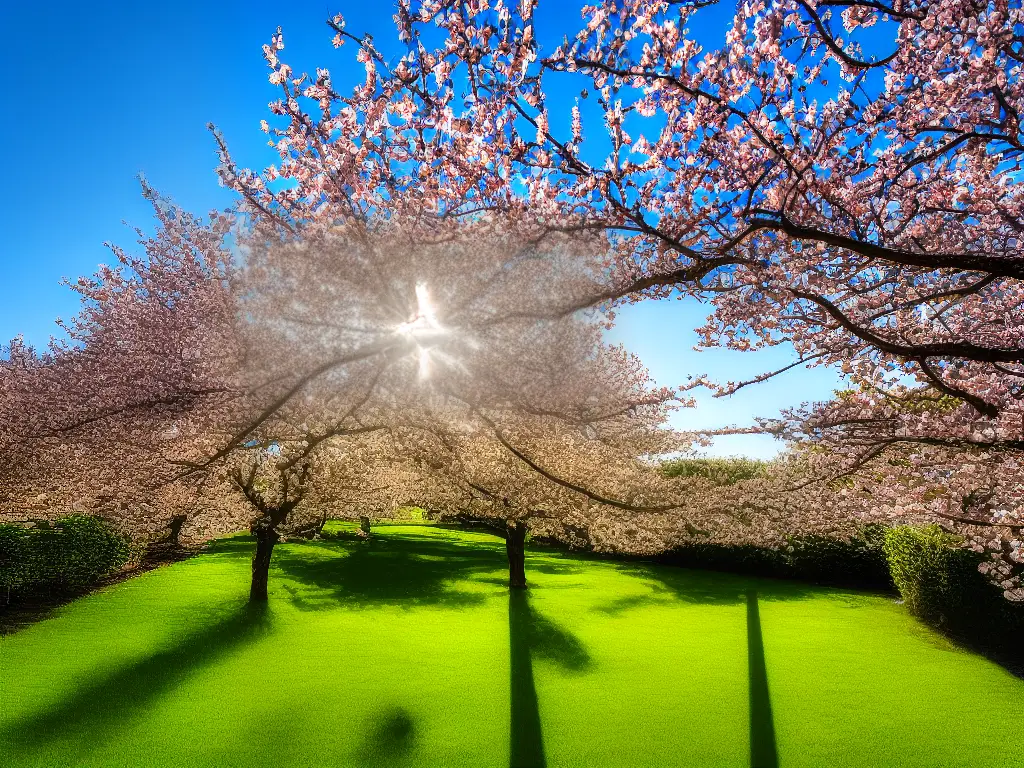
{"points": [[515, 546], [364, 525], [266, 538], [174, 530]]}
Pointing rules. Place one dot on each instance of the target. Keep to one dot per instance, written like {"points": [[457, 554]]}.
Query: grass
{"points": [[406, 650]]}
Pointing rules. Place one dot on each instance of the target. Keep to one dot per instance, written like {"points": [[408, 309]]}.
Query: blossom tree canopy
{"points": [[432, 328], [839, 175], [854, 186]]}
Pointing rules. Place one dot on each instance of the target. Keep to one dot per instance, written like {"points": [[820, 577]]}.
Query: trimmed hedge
{"points": [[940, 584], [930, 571], [858, 562], [67, 556]]}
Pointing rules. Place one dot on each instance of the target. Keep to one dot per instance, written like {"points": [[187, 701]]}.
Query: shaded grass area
{"points": [[28, 609], [408, 650], [97, 709]]}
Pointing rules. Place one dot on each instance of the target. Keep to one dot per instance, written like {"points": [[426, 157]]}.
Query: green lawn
{"points": [[406, 650]]}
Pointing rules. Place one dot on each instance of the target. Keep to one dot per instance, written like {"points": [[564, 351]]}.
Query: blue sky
{"points": [[101, 92]]}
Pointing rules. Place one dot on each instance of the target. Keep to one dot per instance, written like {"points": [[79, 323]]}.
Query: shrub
{"points": [[857, 562], [940, 584], [73, 553], [929, 569], [12, 558]]}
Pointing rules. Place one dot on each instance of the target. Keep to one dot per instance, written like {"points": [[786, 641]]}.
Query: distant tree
{"points": [[720, 471], [20, 457], [290, 488], [539, 477], [106, 416]]}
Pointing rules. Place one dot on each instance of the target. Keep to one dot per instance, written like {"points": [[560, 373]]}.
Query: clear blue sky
{"points": [[100, 92]]}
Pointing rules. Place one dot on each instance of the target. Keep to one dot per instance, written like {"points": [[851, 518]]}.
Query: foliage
{"points": [[939, 581], [68, 555], [856, 561], [719, 471], [927, 567], [12, 558]]}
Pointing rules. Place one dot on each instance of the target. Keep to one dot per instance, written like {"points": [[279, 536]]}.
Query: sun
{"points": [[425, 320], [422, 327]]}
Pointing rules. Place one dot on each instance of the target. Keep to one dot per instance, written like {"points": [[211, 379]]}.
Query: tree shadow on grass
{"points": [[90, 713], [382, 571], [668, 584], [763, 750], [390, 741], [555, 567], [403, 570], [532, 636], [723, 589], [550, 642], [657, 596], [526, 747]]}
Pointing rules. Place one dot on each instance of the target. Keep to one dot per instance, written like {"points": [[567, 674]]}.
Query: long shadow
{"points": [[669, 584], [532, 636], [86, 717], [526, 747], [763, 751]]}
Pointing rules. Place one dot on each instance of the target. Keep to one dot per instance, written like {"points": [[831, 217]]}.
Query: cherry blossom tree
{"points": [[20, 459], [443, 329], [291, 476], [841, 176], [545, 437], [102, 418], [535, 476], [911, 455]]}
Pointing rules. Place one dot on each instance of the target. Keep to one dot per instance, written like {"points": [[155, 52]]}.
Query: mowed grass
{"points": [[407, 650]]}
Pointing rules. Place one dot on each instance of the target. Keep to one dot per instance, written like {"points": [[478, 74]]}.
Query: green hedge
{"points": [[855, 562], [65, 556], [858, 561], [930, 570], [940, 584]]}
